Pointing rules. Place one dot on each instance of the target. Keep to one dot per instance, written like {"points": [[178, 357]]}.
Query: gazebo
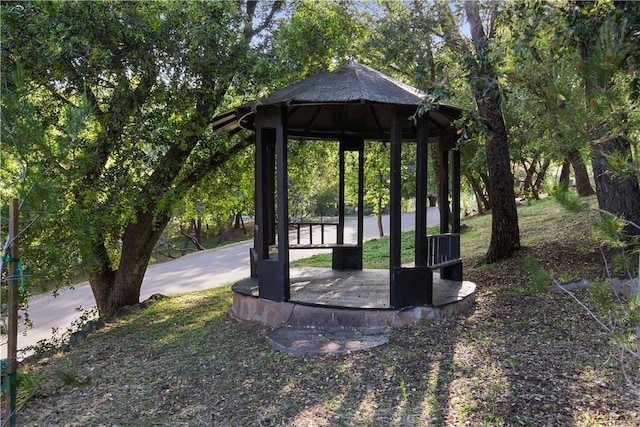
{"points": [[351, 105]]}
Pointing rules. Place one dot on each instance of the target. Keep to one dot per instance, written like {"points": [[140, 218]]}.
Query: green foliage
{"points": [[27, 386], [622, 165], [540, 277], [313, 178], [566, 198], [319, 36], [377, 180], [611, 230], [107, 107], [59, 340], [70, 379]]}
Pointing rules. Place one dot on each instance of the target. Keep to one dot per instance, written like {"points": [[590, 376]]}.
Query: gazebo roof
{"points": [[352, 83], [355, 100]]}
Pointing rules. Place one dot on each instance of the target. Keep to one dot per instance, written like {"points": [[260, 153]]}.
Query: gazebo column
{"points": [[264, 197], [349, 257], [454, 272], [361, 195], [455, 192], [443, 191], [408, 286], [450, 219], [273, 273], [422, 149], [422, 161]]}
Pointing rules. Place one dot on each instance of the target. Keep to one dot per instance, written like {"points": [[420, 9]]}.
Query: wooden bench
{"points": [[322, 245], [445, 264], [443, 253], [345, 256]]}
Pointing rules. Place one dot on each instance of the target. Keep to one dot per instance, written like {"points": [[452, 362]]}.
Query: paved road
{"points": [[197, 271]]}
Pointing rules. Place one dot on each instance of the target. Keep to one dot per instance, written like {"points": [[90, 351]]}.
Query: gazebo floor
{"points": [[325, 297]]}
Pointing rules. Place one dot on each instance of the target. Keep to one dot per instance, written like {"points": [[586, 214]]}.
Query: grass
{"points": [[518, 358]]}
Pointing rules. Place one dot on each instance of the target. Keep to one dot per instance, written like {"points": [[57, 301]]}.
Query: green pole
{"points": [[12, 309]]}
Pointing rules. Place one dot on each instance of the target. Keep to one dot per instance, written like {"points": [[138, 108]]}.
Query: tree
{"points": [[607, 36], [480, 61], [541, 79], [151, 76], [319, 36]]}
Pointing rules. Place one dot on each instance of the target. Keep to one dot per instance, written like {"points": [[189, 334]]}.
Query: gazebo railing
{"points": [[310, 227], [305, 239], [443, 249]]}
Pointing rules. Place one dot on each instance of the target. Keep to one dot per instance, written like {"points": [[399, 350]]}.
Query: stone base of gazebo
{"points": [[323, 297]]}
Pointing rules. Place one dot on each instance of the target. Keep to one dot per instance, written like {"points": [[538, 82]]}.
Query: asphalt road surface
{"points": [[197, 271]]}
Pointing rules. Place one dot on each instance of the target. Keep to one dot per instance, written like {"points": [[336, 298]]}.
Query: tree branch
{"points": [[57, 95], [213, 162], [250, 32], [478, 36], [450, 32]]}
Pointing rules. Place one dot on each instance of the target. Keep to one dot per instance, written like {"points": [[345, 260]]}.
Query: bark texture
{"points": [[505, 232], [583, 185], [565, 173], [619, 195], [479, 191], [114, 289]]}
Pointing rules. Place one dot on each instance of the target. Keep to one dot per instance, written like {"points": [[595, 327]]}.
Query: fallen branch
{"points": [[193, 240], [593, 315]]}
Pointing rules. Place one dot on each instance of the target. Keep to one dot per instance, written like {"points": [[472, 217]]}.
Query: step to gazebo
{"points": [[303, 341]]}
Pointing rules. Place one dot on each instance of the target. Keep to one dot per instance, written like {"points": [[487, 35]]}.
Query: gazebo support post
{"points": [[422, 149], [273, 274], [422, 160], [361, 195], [407, 286], [454, 272], [443, 197], [349, 258], [264, 197], [450, 220]]}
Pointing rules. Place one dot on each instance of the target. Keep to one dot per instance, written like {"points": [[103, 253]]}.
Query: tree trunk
{"points": [[114, 289], [618, 195], [537, 186], [380, 227], [583, 186], [565, 173], [191, 239], [198, 227], [527, 184], [478, 191], [505, 232]]}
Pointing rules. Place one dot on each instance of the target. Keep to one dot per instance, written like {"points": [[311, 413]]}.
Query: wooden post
{"points": [[422, 160], [341, 184], [12, 310], [395, 214]]}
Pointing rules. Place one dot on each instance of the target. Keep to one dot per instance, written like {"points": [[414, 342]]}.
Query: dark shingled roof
{"points": [[355, 100], [352, 83]]}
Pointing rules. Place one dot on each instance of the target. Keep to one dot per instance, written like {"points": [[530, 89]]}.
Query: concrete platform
{"points": [[358, 299]]}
